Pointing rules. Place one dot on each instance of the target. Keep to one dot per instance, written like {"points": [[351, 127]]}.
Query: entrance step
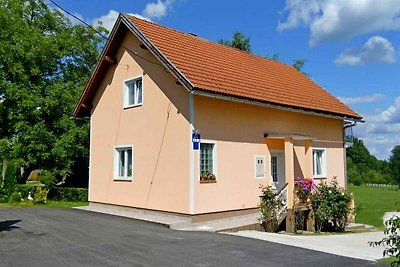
{"points": [[178, 222], [243, 222], [138, 214]]}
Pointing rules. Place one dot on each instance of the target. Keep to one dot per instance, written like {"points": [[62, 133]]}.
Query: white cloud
{"points": [[341, 19], [361, 99], [157, 10], [376, 50], [154, 10], [381, 130], [390, 115], [107, 20]]}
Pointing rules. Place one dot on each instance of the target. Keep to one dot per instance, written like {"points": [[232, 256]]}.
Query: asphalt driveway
{"points": [[67, 237]]}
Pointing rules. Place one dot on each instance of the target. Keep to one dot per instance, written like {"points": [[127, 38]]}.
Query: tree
{"points": [[394, 163], [298, 64], [360, 163], [239, 41], [359, 153], [45, 61]]}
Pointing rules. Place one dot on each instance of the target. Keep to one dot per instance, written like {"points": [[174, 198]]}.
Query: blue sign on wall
{"points": [[196, 141]]}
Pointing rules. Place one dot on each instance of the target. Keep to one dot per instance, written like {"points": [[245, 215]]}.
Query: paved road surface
{"points": [[66, 237]]}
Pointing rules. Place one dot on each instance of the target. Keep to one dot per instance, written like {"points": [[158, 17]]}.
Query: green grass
{"points": [[373, 202], [50, 203], [387, 261]]}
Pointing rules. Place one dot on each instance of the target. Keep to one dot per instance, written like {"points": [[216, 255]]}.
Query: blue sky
{"points": [[351, 47]]}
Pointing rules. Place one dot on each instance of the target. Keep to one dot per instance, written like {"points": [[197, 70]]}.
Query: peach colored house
{"points": [[260, 122]]}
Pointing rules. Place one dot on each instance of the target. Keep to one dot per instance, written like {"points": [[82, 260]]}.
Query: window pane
{"points": [[206, 158], [274, 168], [131, 93], [139, 92], [121, 165], [318, 162], [129, 167]]}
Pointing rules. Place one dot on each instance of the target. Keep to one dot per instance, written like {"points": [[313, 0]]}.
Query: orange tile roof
{"points": [[216, 68]]}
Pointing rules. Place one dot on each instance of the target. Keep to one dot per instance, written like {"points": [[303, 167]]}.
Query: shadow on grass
{"points": [[8, 225]]}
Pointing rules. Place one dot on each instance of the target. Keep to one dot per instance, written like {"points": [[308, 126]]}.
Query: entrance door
{"points": [[278, 169]]}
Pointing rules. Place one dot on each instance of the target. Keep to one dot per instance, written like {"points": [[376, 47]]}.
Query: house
{"points": [[166, 107]]}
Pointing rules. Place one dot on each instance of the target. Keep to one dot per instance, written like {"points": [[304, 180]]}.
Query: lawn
{"points": [[50, 203], [387, 261], [373, 202]]}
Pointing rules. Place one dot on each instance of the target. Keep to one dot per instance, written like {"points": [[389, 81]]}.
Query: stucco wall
{"points": [[238, 130], [160, 134], [158, 131]]}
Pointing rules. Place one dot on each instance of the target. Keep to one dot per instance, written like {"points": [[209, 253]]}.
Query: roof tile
{"points": [[217, 68]]}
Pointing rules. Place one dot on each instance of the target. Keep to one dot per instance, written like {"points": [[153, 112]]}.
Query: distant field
{"points": [[373, 202]]}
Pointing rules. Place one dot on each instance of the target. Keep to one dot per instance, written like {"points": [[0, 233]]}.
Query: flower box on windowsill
{"points": [[208, 182], [207, 177]]}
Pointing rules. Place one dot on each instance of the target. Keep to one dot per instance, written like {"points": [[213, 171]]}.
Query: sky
{"points": [[351, 47]]}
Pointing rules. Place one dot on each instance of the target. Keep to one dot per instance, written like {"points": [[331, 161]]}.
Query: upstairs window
{"points": [[133, 93], [319, 163]]}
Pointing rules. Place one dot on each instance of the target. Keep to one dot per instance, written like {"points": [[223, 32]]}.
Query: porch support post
{"points": [[289, 169], [308, 172], [289, 176]]}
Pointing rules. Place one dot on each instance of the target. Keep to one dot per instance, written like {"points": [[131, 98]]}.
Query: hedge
{"points": [[68, 194], [25, 189]]}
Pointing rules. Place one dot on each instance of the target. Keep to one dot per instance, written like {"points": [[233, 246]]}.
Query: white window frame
{"points": [[256, 157], [126, 92], [324, 163], [116, 175], [214, 156]]}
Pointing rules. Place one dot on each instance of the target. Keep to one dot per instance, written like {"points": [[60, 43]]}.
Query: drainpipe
{"points": [[191, 154], [345, 126]]}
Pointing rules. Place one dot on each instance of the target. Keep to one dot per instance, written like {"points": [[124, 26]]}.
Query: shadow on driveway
{"points": [[8, 225]]}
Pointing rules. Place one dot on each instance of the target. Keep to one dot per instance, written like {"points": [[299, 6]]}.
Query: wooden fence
{"points": [[390, 186]]}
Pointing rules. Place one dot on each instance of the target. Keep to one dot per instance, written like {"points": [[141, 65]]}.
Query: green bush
{"points": [[391, 241], [354, 176], [270, 204], [4, 199], [10, 178], [68, 194], [40, 195], [15, 197], [330, 204], [48, 178], [25, 189], [357, 181]]}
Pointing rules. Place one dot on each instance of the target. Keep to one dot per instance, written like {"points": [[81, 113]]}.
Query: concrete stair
{"points": [[177, 222], [237, 223]]}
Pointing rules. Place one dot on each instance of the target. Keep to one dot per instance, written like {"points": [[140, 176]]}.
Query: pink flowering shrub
{"points": [[304, 187]]}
